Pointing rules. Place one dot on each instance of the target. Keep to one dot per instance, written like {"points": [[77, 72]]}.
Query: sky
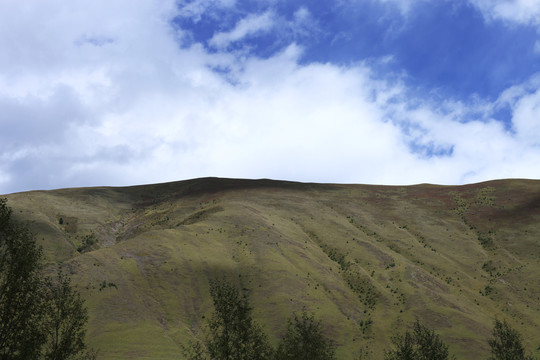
{"points": [[123, 92]]}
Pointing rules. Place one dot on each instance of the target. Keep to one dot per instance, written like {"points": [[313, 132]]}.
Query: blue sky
{"points": [[358, 91], [443, 45]]}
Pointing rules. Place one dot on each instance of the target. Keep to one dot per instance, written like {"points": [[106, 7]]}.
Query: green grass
{"points": [[418, 249]]}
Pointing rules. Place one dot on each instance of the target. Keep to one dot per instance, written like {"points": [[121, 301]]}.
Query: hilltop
{"points": [[366, 259]]}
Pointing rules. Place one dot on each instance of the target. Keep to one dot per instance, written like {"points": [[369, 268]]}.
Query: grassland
{"points": [[367, 260]]}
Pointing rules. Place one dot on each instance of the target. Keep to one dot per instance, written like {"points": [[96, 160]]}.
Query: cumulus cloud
{"points": [[525, 118], [122, 103]]}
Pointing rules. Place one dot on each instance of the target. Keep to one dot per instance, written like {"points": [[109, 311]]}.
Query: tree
{"points": [[506, 343], [39, 318], [405, 347], [22, 308], [66, 320], [420, 344], [304, 340], [232, 333], [194, 350]]}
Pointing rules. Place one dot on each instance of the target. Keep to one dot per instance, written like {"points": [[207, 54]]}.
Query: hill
{"points": [[367, 260]]}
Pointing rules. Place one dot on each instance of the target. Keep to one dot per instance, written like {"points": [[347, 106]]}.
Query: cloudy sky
{"points": [[120, 92]]}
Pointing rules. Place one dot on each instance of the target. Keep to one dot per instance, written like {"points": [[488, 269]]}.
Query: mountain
{"points": [[367, 260]]}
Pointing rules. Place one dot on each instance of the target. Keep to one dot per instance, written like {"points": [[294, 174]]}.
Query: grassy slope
{"points": [[454, 257]]}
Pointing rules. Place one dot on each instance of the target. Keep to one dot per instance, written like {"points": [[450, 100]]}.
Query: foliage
{"points": [[66, 320], [506, 343], [420, 344], [304, 340], [87, 242], [232, 333], [22, 307], [194, 351], [39, 318]]}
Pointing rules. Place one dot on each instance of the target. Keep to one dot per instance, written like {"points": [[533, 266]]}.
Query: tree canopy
{"points": [[419, 344], [40, 317], [304, 340], [506, 343], [234, 334]]}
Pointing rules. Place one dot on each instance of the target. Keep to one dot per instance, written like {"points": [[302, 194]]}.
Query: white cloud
{"points": [[248, 26], [303, 24], [137, 108], [519, 11], [526, 120], [196, 8]]}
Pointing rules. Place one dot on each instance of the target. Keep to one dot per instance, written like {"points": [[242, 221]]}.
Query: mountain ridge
{"points": [[367, 259]]}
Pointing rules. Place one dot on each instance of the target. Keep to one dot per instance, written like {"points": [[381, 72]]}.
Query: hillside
{"points": [[366, 259]]}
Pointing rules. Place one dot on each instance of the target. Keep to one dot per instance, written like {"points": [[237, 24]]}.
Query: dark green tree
{"points": [[22, 305], [405, 347], [194, 350], [232, 333], [419, 344], [506, 343], [39, 318], [304, 340], [66, 320]]}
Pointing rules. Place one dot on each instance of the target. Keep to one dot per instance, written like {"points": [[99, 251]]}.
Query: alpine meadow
{"points": [[360, 265]]}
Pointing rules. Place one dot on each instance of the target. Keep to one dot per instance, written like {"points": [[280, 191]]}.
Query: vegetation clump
{"points": [[419, 344], [233, 334], [87, 242], [40, 317], [506, 343], [304, 340]]}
